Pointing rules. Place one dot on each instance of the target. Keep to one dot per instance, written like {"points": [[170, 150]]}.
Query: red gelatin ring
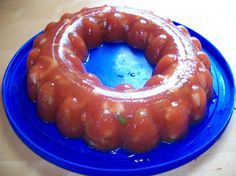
{"points": [[113, 117]]}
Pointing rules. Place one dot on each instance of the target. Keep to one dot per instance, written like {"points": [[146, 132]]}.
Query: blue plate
{"points": [[76, 155]]}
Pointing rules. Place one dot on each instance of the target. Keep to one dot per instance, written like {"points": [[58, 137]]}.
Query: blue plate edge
{"points": [[35, 149]]}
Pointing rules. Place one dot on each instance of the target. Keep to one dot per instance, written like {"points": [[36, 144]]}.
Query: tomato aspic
{"points": [[136, 119]]}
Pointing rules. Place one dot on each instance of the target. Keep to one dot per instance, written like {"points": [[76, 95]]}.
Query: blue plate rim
{"points": [[83, 168]]}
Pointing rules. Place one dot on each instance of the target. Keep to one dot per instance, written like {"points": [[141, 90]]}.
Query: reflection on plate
{"points": [[75, 155]]}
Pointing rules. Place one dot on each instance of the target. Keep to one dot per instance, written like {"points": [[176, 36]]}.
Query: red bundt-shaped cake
{"points": [[137, 119]]}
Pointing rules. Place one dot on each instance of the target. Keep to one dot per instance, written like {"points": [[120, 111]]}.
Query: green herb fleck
{"points": [[121, 119]]}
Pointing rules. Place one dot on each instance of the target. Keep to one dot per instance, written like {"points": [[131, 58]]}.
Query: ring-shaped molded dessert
{"points": [[137, 119]]}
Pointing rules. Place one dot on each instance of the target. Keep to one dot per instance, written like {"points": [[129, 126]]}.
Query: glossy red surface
{"points": [[107, 117]]}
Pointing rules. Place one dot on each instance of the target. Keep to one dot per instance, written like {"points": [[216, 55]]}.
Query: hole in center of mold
{"points": [[117, 63]]}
